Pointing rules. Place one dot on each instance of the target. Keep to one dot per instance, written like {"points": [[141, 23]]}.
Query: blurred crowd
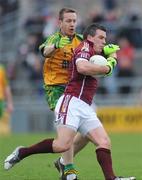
{"points": [[125, 28], [8, 6]]}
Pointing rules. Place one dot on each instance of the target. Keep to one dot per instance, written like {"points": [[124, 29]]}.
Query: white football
{"points": [[100, 60]]}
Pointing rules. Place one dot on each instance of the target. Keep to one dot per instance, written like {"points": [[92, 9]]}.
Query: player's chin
{"points": [[99, 51], [71, 32]]}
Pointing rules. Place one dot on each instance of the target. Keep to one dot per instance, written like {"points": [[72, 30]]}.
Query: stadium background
{"points": [[24, 25]]}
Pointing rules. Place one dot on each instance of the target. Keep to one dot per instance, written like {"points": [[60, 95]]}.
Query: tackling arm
{"points": [[51, 44], [48, 50]]}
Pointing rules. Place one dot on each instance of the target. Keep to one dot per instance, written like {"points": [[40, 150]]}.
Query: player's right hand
{"points": [[62, 42], [111, 63]]}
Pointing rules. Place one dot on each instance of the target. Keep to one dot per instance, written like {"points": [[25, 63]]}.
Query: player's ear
{"points": [[89, 37]]}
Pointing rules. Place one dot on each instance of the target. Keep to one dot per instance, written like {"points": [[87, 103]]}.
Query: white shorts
{"points": [[76, 114]]}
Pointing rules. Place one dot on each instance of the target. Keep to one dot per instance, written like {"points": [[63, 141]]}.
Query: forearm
{"points": [[49, 50], [96, 69], [88, 68]]}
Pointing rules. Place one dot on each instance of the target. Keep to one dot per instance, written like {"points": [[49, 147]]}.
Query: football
{"points": [[100, 60]]}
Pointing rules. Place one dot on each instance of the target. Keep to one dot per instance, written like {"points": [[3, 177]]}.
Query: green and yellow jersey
{"points": [[55, 68], [3, 82]]}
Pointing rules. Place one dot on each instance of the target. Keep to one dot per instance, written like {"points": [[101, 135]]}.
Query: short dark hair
{"points": [[65, 10], [91, 30]]}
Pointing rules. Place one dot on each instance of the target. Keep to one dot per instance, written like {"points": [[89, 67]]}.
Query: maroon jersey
{"points": [[82, 86]]}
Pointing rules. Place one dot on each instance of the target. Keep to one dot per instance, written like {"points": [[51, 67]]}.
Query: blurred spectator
{"points": [[110, 4], [34, 65], [28, 52], [111, 22], [125, 63], [5, 98], [30, 45], [132, 30], [8, 6], [35, 71], [50, 25], [96, 15], [34, 25], [124, 70]]}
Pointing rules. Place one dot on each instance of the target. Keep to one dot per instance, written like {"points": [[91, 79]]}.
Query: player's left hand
{"points": [[111, 63], [110, 49]]}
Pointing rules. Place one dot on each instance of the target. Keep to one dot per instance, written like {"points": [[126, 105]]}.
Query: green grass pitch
{"points": [[126, 152]]}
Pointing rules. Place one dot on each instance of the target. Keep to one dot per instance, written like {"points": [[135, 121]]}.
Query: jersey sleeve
{"points": [[83, 53], [85, 56]]}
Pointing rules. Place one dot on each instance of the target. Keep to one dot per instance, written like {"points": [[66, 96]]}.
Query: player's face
{"points": [[68, 24], [99, 40]]}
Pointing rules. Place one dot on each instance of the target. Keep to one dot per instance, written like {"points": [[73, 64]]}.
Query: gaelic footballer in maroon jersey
{"points": [[72, 112], [83, 87]]}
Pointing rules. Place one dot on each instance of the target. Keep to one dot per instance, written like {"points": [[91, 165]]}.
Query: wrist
{"points": [[108, 69], [109, 72], [48, 50], [110, 58], [55, 46]]}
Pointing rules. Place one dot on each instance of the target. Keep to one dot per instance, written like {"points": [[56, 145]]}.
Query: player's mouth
{"points": [[71, 30]]}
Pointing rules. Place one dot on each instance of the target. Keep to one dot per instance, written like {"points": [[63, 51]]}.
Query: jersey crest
{"points": [[85, 47]]}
